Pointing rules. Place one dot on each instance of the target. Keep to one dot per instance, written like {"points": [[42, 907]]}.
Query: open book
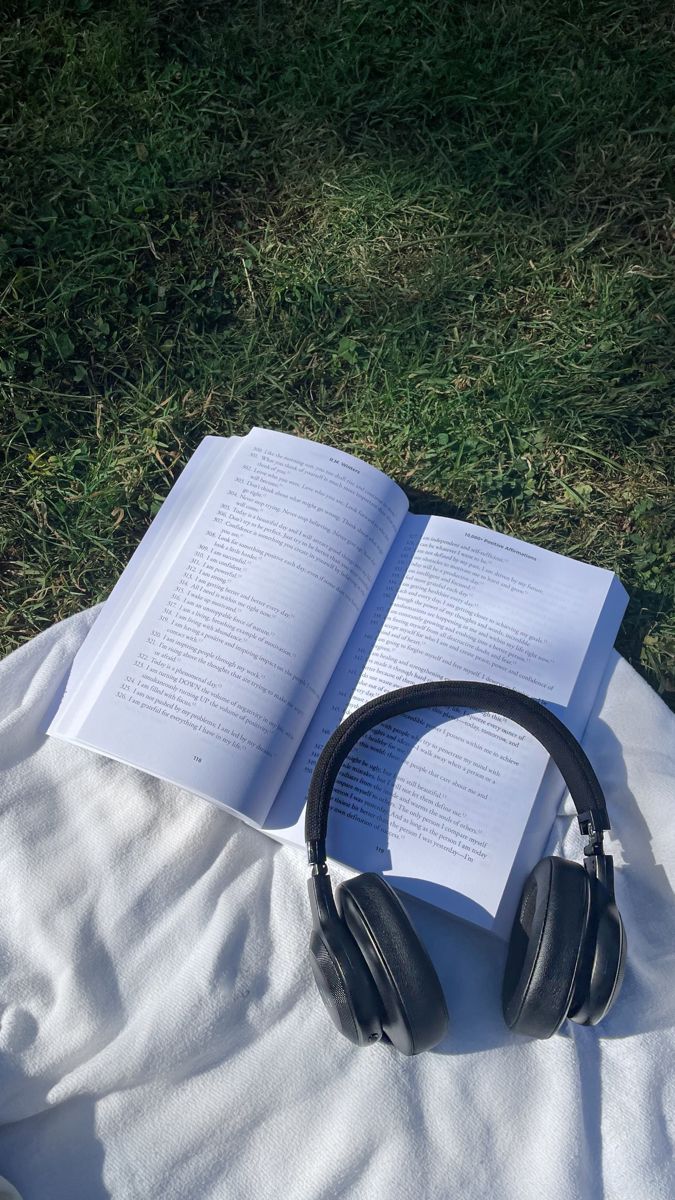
{"points": [[284, 583]]}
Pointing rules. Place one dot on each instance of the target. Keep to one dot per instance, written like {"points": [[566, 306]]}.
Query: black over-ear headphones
{"points": [[567, 949]]}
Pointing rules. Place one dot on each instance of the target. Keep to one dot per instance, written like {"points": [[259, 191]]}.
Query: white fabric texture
{"points": [[160, 1031]]}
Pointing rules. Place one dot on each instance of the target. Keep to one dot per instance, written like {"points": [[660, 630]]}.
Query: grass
{"points": [[436, 235]]}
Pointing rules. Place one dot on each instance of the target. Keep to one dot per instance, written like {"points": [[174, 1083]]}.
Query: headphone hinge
{"points": [[316, 856], [587, 825]]}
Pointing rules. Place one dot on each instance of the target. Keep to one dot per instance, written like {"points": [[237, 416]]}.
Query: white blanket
{"points": [[161, 1037]]}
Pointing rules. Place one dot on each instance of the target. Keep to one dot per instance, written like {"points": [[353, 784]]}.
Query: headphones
{"points": [[567, 949]]}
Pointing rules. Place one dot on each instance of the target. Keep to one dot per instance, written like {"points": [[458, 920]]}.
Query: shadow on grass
{"points": [[374, 223]]}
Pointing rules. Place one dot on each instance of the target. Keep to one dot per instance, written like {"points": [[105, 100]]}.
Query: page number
{"points": [[196, 758]]}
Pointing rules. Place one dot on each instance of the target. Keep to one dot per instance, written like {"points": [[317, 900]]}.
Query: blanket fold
{"points": [[160, 1033]]}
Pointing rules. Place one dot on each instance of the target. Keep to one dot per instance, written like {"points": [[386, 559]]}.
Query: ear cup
{"points": [[345, 985], [415, 1015], [600, 976], [545, 947], [340, 970]]}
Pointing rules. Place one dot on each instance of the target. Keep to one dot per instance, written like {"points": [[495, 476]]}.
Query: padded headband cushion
{"points": [[568, 755], [416, 1017], [545, 947]]}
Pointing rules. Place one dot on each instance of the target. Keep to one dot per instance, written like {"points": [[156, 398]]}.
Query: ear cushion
{"points": [[545, 947], [415, 1014]]}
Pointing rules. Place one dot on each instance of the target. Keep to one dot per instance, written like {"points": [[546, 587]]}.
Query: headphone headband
{"points": [[565, 751]]}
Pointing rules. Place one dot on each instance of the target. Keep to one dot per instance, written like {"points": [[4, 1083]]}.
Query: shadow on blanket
{"points": [[75, 1163]]}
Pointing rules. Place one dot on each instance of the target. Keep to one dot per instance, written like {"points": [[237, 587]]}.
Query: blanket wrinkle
{"points": [[160, 1033]]}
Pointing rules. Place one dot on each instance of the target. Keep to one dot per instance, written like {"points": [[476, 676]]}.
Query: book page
{"points": [[439, 805], [214, 673], [150, 560]]}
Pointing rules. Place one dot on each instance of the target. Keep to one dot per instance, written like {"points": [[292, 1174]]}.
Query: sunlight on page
{"points": [[215, 676]]}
